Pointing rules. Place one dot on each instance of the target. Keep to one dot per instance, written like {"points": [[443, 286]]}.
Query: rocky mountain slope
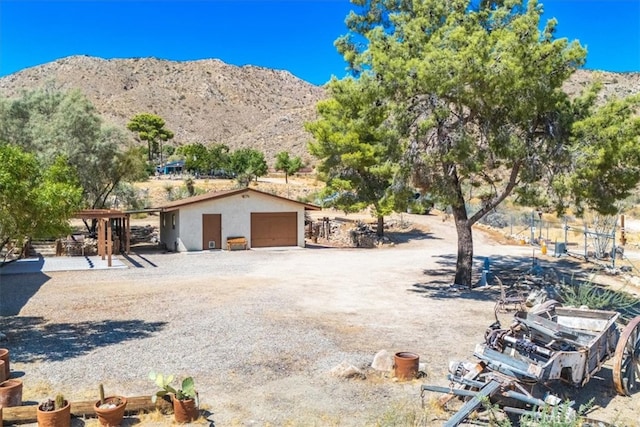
{"points": [[209, 101], [614, 85], [204, 101]]}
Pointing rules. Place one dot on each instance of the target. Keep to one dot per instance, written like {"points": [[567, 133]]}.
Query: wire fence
{"points": [[598, 238]]}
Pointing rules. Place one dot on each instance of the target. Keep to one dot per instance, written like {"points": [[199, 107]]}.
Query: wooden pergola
{"points": [[108, 220]]}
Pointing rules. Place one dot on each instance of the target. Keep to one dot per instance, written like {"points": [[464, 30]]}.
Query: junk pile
{"points": [[342, 232], [548, 344], [146, 234]]}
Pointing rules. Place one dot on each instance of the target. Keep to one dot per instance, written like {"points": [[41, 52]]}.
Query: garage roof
{"points": [[222, 194]]}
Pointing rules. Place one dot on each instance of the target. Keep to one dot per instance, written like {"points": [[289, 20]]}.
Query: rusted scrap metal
{"points": [[552, 343], [487, 390], [571, 346], [485, 386]]}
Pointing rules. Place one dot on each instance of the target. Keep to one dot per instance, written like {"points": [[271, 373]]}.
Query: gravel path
{"points": [[260, 331]]}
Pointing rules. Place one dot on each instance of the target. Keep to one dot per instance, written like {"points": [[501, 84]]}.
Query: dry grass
{"points": [[410, 414], [298, 187], [156, 418], [38, 392], [149, 419]]}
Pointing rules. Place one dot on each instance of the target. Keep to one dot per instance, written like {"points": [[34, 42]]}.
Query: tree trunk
{"points": [[464, 262], [25, 248], [380, 230], [91, 229], [3, 243]]}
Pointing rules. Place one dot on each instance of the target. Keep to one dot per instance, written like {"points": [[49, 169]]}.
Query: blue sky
{"points": [[294, 35]]}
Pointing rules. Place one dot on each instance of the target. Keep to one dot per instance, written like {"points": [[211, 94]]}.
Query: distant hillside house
{"points": [[207, 221], [171, 167]]}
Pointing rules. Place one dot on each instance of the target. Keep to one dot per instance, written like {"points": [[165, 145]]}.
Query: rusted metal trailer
{"points": [[552, 343]]}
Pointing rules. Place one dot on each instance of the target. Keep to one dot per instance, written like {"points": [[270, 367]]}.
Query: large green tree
{"points": [[358, 152], [247, 164], [205, 160], [51, 123], [35, 200], [289, 165], [474, 90], [605, 165], [150, 128], [196, 157], [112, 162], [219, 157]]}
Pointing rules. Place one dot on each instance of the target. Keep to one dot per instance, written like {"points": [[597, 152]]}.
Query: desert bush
{"points": [[496, 219], [560, 415], [599, 298], [129, 197]]}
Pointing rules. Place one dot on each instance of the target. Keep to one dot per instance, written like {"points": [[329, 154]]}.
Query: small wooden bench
{"points": [[236, 243]]}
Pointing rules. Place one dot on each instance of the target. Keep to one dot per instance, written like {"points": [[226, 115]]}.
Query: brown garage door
{"points": [[274, 229]]}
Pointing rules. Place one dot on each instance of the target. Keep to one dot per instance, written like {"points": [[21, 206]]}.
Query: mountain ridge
{"points": [[205, 101], [209, 101]]}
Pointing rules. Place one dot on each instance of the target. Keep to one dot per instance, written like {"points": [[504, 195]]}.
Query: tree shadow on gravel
{"points": [[17, 289], [406, 236], [32, 338], [510, 269], [453, 292]]}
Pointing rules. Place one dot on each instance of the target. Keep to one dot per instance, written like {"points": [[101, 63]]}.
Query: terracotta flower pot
{"points": [[58, 418], [4, 356], [2, 373], [11, 393], [185, 411], [406, 365], [111, 417]]}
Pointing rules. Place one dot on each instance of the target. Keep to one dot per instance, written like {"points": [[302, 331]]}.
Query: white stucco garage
{"points": [[207, 221]]}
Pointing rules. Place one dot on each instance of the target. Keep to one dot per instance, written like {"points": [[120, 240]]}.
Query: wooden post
{"points": [[109, 241], [98, 236], [127, 234], [101, 237]]}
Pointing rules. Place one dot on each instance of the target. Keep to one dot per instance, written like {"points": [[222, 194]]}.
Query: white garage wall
{"points": [[236, 217], [170, 231]]}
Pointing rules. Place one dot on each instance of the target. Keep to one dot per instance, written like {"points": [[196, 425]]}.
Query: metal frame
{"points": [[552, 343]]}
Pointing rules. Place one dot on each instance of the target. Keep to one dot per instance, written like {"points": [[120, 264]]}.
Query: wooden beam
{"points": [[99, 213], [27, 413], [101, 238], [109, 241], [127, 234]]}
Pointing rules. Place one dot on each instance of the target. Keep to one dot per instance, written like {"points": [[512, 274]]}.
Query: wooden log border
{"points": [[27, 413]]}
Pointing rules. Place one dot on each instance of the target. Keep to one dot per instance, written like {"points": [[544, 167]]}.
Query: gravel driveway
{"points": [[261, 330]]}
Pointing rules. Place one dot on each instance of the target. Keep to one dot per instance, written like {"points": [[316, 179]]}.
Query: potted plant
{"points": [[184, 398], [54, 413], [5, 373], [110, 410], [11, 392]]}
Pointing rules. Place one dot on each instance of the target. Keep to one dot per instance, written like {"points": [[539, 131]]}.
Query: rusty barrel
{"points": [[406, 365]]}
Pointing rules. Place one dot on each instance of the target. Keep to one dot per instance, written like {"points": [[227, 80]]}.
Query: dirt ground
{"points": [[262, 331]]}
